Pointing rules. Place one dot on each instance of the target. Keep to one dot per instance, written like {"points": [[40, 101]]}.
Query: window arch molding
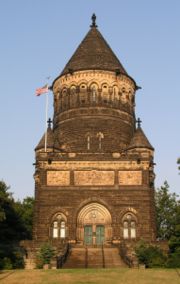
{"points": [[105, 87], [83, 87], [93, 82], [63, 87]]}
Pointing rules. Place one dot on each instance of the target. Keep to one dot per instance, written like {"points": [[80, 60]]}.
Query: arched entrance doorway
{"points": [[94, 225]]}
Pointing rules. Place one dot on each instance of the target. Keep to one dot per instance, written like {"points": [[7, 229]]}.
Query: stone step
{"points": [[112, 258], [76, 258], [95, 258]]}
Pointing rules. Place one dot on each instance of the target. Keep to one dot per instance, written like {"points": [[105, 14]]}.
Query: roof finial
{"points": [[138, 121], [49, 123], [93, 25]]}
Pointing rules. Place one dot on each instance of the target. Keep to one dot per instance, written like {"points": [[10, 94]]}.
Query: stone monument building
{"points": [[94, 185]]}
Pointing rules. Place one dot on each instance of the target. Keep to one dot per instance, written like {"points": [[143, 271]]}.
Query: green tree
{"points": [[5, 196], [45, 255], [166, 211], [10, 224], [15, 225], [174, 243], [24, 210], [149, 255], [178, 162]]}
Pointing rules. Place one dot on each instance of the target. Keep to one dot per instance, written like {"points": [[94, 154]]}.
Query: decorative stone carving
{"points": [[130, 177], [58, 178], [94, 178]]}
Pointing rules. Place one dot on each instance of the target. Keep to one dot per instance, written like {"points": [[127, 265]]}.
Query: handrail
{"points": [[123, 253], [103, 257], [86, 257], [62, 259]]}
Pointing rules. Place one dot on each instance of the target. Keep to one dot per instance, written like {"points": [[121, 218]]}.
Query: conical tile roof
{"points": [[93, 53], [50, 140], [140, 140]]}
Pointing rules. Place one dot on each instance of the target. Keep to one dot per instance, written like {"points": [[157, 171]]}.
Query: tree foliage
{"points": [[24, 210], [166, 212], [149, 255], [5, 197], [15, 225], [178, 162]]}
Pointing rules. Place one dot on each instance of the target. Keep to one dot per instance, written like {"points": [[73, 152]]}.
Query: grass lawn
{"points": [[90, 276]]}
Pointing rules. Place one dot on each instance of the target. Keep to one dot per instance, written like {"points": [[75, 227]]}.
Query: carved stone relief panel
{"points": [[58, 178], [94, 177], [94, 216], [130, 177]]}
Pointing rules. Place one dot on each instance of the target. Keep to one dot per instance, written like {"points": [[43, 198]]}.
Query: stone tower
{"points": [[95, 183]]}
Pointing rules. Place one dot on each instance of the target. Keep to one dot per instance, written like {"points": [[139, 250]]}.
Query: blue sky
{"points": [[37, 40]]}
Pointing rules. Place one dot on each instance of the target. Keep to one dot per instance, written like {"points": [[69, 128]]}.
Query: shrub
{"points": [[7, 264], [18, 259], [11, 256], [174, 259], [149, 255], [45, 255]]}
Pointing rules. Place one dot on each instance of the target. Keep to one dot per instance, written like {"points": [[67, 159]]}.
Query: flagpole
{"points": [[46, 111]]}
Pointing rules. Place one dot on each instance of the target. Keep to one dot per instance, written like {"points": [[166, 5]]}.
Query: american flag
{"points": [[42, 90]]}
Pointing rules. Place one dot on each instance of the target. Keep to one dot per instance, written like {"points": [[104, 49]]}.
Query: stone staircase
{"points": [[94, 257], [76, 258], [127, 252]]}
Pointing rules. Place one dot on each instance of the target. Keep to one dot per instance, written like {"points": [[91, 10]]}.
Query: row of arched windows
{"points": [[114, 92], [74, 98], [104, 88], [58, 227]]}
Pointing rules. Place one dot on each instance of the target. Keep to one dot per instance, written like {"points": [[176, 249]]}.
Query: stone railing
{"points": [[124, 254]]}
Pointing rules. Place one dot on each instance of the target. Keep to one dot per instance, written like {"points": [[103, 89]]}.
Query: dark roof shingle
{"points": [[93, 53], [139, 140]]}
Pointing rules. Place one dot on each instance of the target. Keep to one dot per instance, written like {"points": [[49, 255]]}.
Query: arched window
{"points": [[88, 138], [64, 98], [125, 230], [83, 94], [73, 90], [129, 226], [58, 227], [94, 92], [105, 94], [123, 95], [62, 229], [115, 95], [133, 230], [55, 229], [115, 91], [73, 96]]}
